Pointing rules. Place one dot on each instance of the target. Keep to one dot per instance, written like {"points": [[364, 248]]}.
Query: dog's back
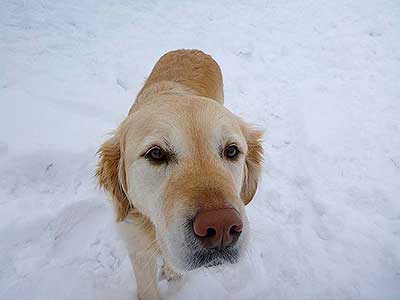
{"points": [[194, 70]]}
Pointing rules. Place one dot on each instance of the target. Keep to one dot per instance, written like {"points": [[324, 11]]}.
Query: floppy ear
{"points": [[253, 161], [111, 174]]}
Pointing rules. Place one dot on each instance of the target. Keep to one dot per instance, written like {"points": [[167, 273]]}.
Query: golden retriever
{"points": [[180, 169]]}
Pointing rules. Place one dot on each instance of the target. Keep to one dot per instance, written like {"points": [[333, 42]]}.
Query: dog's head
{"points": [[190, 166]]}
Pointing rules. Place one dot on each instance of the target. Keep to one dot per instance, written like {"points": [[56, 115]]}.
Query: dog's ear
{"points": [[111, 174], [253, 161]]}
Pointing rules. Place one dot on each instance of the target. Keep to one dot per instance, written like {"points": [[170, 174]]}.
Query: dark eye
{"points": [[156, 155], [231, 152]]}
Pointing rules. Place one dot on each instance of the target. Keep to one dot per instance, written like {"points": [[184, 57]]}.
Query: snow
{"points": [[323, 79]]}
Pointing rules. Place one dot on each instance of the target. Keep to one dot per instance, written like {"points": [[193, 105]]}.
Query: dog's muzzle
{"points": [[212, 236]]}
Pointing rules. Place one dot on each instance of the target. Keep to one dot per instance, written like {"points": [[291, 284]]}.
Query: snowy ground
{"points": [[323, 79]]}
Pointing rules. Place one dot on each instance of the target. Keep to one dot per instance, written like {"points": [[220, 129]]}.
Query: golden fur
{"points": [[200, 74], [182, 84]]}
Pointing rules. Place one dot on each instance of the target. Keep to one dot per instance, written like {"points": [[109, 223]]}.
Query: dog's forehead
{"points": [[183, 122]]}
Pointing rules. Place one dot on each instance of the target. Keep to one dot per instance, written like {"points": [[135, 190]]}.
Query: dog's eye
{"points": [[231, 152], [156, 155]]}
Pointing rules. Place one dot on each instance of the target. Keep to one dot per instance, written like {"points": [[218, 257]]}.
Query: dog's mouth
{"points": [[212, 257]]}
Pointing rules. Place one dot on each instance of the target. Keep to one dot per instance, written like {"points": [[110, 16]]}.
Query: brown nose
{"points": [[218, 228]]}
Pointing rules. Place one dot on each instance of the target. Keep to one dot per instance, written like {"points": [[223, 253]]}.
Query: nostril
{"points": [[210, 232], [235, 230]]}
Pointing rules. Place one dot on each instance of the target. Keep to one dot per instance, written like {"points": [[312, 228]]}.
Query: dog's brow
{"points": [[151, 141], [233, 139]]}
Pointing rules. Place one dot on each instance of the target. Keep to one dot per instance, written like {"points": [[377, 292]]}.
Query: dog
{"points": [[180, 169]]}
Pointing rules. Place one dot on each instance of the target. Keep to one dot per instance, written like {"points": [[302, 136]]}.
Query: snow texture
{"points": [[322, 78]]}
